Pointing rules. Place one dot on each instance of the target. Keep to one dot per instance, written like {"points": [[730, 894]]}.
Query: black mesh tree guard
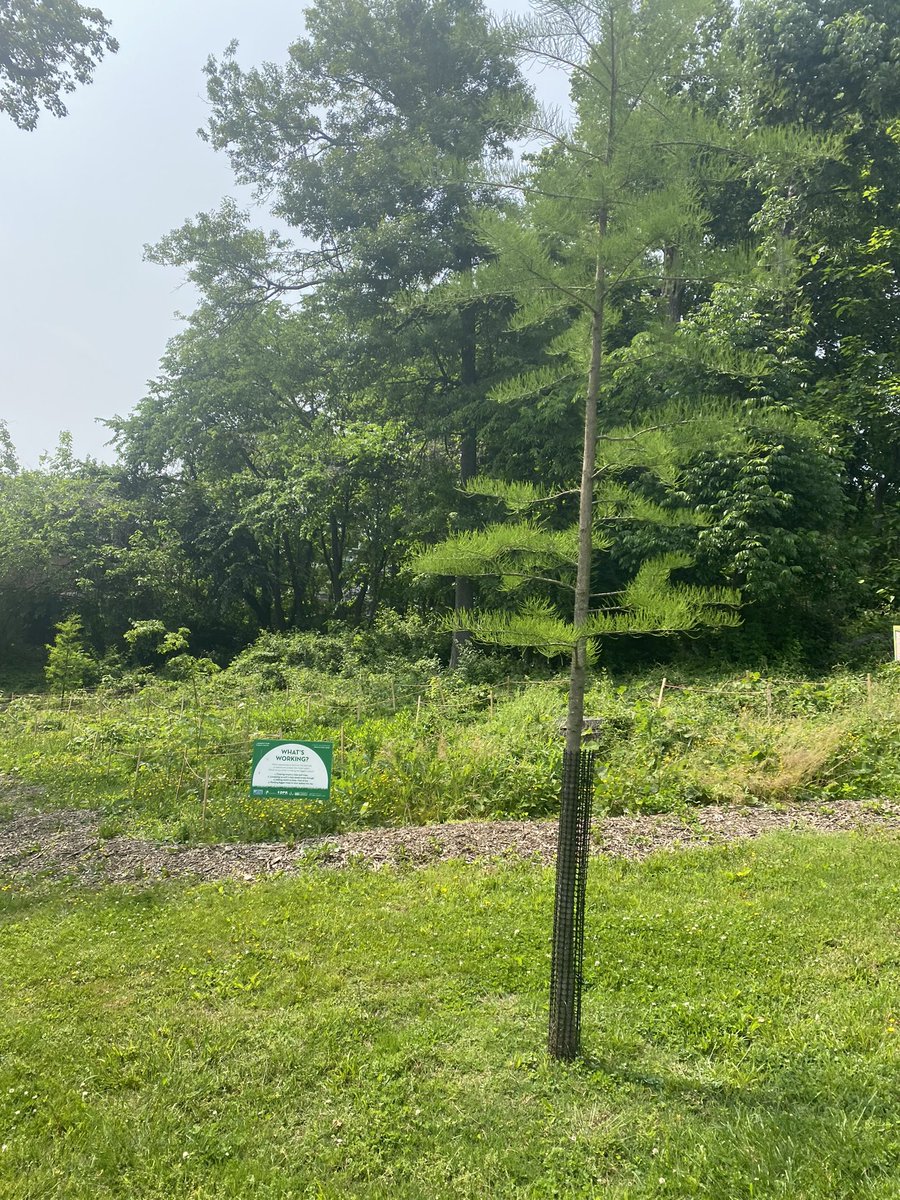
{"points": [[567, 956]]}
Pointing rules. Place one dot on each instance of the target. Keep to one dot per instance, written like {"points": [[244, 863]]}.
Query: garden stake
{"points": [[769, 701], [137, 767], [180, 778], [205, 794], [662, 690]]}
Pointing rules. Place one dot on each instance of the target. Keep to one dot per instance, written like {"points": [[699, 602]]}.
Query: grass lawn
{"points": [[365, 1034]]}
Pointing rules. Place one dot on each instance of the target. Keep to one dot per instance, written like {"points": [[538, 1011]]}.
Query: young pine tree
{"points": [[612, 235], [69, 665]]}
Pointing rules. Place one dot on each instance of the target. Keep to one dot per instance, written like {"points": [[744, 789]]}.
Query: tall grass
{"points": [[172, 758]]}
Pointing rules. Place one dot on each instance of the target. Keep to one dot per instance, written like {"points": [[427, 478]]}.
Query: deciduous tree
{"points": [[47, 48]]}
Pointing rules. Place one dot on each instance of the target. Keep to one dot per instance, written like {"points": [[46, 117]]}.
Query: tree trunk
{"points": [[574, 818], [578, 669], [568, 912], [672, 287], [464, 590], [277, 599]]}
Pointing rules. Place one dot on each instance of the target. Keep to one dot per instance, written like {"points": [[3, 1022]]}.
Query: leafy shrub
{"points": [[316, 651], [407, 637], [150, 642]]}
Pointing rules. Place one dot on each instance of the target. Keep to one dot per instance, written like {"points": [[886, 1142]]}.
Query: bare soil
{"points": [[67, 842]]}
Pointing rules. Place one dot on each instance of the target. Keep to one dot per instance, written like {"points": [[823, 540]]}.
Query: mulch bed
{"points": [[67, 842]]}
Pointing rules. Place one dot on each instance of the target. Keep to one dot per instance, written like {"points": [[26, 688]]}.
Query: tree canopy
{"points": [[702, 260], [47, 49]]}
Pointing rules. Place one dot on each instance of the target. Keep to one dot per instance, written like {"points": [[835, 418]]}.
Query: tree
{"points": [[613, 235], [292, 497], [367, 139], [47, 48], [69, 665], [780, 526], [75, 538], [831, 66], [9, 463]]}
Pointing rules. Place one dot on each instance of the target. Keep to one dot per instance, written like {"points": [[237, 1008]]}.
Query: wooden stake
{"points": [[769, 701], [308, 704], [205, 794], [662, 692], [342, 745], [491, 699], [418, 708], [180, 778], [869, 688], [393, 696]]}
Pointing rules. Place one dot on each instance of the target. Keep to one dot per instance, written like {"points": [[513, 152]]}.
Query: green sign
{"points": [[291, 770]]}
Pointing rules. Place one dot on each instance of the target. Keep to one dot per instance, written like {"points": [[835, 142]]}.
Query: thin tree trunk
{"points": [[464, 590], [672, 286], [563, 1035], [277, 602], [578, 669]]}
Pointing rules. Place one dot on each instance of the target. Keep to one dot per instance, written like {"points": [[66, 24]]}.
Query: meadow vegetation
{"points": [[167, 754]]}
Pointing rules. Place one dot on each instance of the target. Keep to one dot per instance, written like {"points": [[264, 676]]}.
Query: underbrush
{"points": [[415, 743]]}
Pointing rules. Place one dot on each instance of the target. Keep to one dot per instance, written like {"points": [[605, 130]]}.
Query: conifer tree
{"points": [[69, 665], [611, 236]]}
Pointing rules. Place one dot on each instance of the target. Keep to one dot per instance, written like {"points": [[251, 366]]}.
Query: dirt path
{"points": [[68, 842]]}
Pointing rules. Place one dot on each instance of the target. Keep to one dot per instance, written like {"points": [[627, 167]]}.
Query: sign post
{"points": [[897, 643], [291, 770]]}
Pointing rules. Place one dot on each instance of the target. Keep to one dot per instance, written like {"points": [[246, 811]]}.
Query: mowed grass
{"points": [[369, 1034]]}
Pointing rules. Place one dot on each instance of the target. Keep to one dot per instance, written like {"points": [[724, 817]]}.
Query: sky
{"points": [[83, 319]]}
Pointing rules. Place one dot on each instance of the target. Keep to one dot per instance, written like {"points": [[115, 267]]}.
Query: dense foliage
{"points": [[417, 336], [47, 48]]}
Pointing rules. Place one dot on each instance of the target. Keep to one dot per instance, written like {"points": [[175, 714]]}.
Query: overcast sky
{"points": [[83, 320]]}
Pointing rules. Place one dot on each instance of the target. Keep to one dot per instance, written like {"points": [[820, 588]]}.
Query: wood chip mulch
{"points": [[67, 842]]}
